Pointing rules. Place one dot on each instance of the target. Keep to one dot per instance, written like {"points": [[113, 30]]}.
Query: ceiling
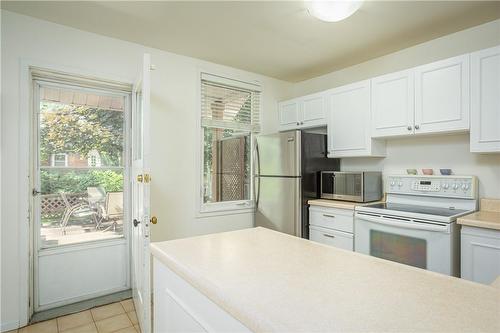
{"points": [[278, 39]]}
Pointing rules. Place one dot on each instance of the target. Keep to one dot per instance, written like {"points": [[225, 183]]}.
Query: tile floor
{"points": [[119, 317]]}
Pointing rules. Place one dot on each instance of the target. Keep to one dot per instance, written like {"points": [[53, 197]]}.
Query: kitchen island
{"points": [[261, 280]]}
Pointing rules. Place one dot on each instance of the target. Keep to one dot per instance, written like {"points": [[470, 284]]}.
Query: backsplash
{"points": [[436, 152]]}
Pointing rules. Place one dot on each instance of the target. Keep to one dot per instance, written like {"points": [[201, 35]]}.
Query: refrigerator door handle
{"points": [[256, 189]]}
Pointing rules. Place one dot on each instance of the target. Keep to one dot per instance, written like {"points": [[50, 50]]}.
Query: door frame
{"points": [[25, 163]]}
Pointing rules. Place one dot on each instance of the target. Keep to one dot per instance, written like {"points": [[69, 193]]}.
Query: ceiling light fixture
{"points": [[334, 10]]}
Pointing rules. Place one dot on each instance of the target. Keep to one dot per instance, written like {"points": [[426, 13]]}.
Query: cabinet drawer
{"points": [[335, 238], [332, 218]]}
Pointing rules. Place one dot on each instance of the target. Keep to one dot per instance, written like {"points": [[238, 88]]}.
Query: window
{"points": [[229, 121], [60, 160]]}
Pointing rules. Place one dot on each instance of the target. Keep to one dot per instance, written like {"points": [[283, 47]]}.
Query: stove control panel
{"points": [[442, 186]]}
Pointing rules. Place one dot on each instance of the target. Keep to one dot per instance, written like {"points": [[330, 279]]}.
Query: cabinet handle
{"points": [[417, 126], [327, 215], [302, 123], [298, 123], [409, 128], [327, 235]]}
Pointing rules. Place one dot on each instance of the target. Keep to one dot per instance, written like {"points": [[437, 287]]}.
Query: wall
{"points": [[173, 133], [444, 151]]}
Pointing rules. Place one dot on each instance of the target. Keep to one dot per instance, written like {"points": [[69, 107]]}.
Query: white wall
{"points": [[174, 112], [420, 152]]}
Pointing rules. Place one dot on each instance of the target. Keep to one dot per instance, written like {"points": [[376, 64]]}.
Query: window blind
{"points": [[227, 105]]}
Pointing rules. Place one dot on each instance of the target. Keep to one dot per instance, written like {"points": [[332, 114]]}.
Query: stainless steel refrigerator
{"points": [[287, 166]]}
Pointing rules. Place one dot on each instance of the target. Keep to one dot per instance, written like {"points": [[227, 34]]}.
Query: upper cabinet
{"points": [[349, 122], [303, 112], [393, 104], [442, 96], [485, 101]]}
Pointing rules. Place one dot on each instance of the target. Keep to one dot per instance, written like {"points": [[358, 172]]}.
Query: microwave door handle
{"points": [[406, 224]]}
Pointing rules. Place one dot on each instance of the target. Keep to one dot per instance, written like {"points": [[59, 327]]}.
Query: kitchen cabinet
{"points": [[393, 104], [349, 115], [332, 226], [442, 96], [480, 254], [485, 101], [303, 112]]}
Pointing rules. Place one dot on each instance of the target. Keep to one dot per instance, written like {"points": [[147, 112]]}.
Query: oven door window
{"points": [[399, 248]]}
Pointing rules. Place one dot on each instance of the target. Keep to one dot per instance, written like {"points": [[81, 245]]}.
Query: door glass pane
{"points": [[399, 248], [80, 165], [226, 165]]}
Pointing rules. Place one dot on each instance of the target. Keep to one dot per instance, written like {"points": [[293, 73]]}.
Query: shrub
{"points": [[56, 181]]}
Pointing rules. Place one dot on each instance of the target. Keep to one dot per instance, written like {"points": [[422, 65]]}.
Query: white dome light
{"points": [[333, 11]]}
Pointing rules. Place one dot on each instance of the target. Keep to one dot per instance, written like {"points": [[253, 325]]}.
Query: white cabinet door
{"points": [[485, 101], [313, 110], [289, 114], [480, 254], [349, 122], [393, 104], [442, 96], [330, 237]]}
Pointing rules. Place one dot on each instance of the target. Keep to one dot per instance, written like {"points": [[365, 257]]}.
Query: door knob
{"points": [[139, 178], [136, 222], [154, 220]]}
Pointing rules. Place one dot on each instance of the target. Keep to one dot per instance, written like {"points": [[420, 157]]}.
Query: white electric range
{"points": [[416, 225]]}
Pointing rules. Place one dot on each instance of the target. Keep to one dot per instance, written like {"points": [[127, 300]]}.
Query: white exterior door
{"points": [[485, 101], [393, 104], [442, 96], [140, 179]]}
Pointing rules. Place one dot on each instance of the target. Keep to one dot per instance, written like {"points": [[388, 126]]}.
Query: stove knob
{"points": [[400, 184], [455, 186], [393, 183], [465, 187], [445, 186]]}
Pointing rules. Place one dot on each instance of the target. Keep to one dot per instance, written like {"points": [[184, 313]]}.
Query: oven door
{"points": [[348, 186], [422, 244]]}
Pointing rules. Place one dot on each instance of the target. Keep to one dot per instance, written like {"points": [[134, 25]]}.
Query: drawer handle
{"points": [[327, 235], [327, 215]]}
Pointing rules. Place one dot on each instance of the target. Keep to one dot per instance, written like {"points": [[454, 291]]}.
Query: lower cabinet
{"points": [[179, 307], [480, 257], [332, 226]]}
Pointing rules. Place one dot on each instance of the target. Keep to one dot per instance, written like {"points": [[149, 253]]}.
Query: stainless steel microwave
{"points": [[358, 186]]}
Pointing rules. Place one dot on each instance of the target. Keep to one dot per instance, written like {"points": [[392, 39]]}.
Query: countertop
{"points": [[487, 217], [338, 203], [275, 282]]}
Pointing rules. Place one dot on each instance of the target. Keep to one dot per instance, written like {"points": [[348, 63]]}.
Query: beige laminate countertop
{"points": [[273, 282], [338, 203], [488, 217]]}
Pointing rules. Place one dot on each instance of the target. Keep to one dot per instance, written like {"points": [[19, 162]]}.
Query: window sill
{"points": [[210, 210]]}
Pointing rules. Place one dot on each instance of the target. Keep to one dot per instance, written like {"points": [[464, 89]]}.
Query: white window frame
{"points": [[53, 160], [223, 207]]}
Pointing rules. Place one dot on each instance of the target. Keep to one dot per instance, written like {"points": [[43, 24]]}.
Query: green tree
{"points": [[80, 129]]}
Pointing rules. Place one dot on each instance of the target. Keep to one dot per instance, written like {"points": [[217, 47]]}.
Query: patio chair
{"points": [[79, 210], [96, 197], [113, 209]]}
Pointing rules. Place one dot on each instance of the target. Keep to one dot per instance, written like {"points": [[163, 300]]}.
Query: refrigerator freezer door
{"points": [[279, 205], [279, 154]]}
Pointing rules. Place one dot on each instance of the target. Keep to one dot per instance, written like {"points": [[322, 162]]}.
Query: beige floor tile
{"points": [[130, 329], [137, 328], [86, 328], [107, 311], [74, 320], [49, 326], [133, 317], [128, 305], [113, 324]]}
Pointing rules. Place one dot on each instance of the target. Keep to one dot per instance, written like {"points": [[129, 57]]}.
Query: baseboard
{"points": [[8, 326]]}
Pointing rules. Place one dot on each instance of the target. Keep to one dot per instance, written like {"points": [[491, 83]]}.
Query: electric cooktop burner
{"points": [[438, 211]]}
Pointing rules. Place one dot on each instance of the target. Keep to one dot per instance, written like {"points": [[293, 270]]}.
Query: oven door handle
{"points": [[407, 224]]}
